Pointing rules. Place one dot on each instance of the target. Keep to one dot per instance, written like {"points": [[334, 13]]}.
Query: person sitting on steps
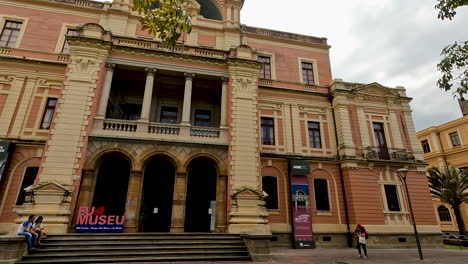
{"points": [[39, 229], [25, 229]]}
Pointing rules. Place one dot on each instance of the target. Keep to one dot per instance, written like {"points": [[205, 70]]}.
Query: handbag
{"points": [[362, 240]]}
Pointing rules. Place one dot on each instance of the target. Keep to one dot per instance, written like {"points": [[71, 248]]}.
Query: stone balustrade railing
{"points": [[158, 131], [5, 51], [204, 132], [149, 44], [164, 129], [117, 125]]}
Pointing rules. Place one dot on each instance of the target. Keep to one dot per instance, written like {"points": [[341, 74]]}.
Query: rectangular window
{"points": [[321, 195], [10, 33], [314, 135], [425, 146], [48, 113], [392, 198], [307, 73], [169, 114], [379, 134], [202, 118], [270, 187], [28, 179], [66, 47], [455, 139], [268, 131], [265, 73]]}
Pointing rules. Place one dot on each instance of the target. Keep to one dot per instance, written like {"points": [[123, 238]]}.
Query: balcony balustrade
{"points": [[115, 128], [382, 153]]}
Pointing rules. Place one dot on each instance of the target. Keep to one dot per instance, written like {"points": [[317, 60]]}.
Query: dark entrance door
{"points": [[158, 192], [201, 190], [112, 185]]}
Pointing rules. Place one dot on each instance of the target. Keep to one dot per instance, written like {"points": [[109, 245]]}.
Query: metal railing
{"points": [[382, 153]]}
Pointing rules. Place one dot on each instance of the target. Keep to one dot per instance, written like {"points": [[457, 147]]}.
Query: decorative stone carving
{"points": [[248, 213], [6, 79]]}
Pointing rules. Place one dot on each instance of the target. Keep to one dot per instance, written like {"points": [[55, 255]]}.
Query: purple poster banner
{"points": [[303, 236], [91, 220]]}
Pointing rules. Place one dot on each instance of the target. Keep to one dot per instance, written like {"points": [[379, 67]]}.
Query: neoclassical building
{"points": [[235, 129], [445, 146]]}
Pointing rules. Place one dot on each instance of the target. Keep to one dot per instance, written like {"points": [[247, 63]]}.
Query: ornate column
{"points": [[224, 87], [187, 98], [247, 213], [145, 109], [67, 144], [132, 204], [106, 90], [346, 146], [178, 205]]}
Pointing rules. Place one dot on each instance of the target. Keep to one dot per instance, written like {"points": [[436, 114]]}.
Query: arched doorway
{"points": [[201, 196], [158, 192], [112, 184]]}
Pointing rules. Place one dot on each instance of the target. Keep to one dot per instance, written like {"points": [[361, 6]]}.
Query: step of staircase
{"points": [[138, 247]]}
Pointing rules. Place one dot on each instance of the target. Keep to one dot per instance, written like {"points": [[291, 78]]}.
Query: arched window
{"points": [[444, 213], [209, 10], [322, 202], [270, 187], [29, 177]]}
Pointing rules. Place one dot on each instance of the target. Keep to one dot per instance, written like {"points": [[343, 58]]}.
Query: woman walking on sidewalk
{"points": [[361, 236]]}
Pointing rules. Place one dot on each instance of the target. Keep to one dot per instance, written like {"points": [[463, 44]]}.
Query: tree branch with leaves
{"points": [[165, 19], [454, 63]]}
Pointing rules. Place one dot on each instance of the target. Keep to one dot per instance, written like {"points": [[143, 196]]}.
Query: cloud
{"points": [[393, 42]]}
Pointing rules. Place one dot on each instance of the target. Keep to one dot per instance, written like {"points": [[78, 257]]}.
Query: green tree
{"points": [[454, 63], [166, 19], [450, 187]]}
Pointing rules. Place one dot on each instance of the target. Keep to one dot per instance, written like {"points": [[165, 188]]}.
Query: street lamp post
{"points": [[402, 174]]}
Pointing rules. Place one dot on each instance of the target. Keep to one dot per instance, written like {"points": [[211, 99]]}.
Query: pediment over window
{"points": [[375, 89], [48, 186]]}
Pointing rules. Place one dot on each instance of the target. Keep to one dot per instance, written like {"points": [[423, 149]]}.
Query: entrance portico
{"points": [[168, 188]]}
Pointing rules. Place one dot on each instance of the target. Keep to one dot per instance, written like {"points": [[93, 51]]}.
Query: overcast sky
{"points": [[392, 42]]}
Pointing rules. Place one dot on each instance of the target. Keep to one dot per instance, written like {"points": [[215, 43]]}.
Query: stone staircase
{"points": [[138, 247]]}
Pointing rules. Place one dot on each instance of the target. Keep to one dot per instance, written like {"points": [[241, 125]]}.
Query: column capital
{"points": [[151, 70], [110, 66], [225, 79], [189, 75]]}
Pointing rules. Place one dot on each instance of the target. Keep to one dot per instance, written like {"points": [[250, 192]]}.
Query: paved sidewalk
{"points": [[349, 256]]}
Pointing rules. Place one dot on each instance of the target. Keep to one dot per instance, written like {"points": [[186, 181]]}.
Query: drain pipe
{"points": [[348, 229]]}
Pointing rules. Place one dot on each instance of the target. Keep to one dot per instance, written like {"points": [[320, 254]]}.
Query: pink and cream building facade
{"points": [[199, 137]]}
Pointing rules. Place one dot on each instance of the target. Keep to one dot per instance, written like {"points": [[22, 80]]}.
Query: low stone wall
{"points": [[258, 246], [376, 240], [12, 248]]}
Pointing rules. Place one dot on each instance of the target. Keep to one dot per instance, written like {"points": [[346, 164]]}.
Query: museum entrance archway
{"points": [[201, 196], [110, 192], [157, 195]]}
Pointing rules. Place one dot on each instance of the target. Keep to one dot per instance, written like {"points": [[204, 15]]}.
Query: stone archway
{"points": [[111, 184], [157, 194], [201, 201]]}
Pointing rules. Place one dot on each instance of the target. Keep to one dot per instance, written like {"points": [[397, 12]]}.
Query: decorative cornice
{"points": [[169, 67]]}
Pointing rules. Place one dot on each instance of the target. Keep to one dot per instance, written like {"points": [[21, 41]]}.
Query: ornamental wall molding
{"points": [[265, 105], [49, 84], [6, 79], [306, 109]]}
